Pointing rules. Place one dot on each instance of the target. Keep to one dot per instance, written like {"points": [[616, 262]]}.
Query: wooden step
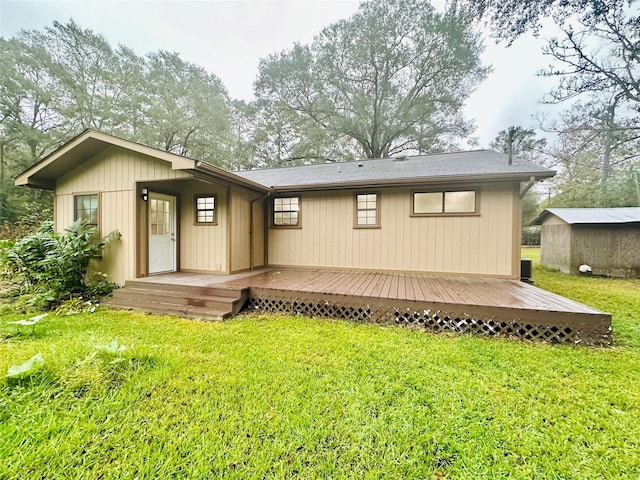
{"points": [[177, 298], [212, 302], [185, 311], [215, 290]]}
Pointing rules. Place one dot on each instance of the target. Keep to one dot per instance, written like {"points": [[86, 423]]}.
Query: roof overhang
{"points": [[540, 218], [420, 181], [89, 143]]}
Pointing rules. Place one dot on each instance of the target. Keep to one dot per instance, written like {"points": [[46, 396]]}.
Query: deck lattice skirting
{"points": [[436, 303], [432, 317]]}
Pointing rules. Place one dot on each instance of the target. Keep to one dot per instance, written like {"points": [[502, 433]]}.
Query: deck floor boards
{"points": [[478, 291], [486, 297]]}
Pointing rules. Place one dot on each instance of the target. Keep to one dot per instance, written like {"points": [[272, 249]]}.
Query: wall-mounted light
{"points": [[145, 194]]}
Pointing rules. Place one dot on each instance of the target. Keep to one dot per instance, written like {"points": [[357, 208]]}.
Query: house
{"points": [[606, 239], [430, 240], [455, 213]]}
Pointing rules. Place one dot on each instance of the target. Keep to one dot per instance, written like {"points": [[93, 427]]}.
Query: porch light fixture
{"points": [[145, 194]]}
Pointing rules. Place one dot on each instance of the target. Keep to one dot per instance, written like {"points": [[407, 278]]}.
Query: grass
{"points": [[619, 297], [289, 397]]}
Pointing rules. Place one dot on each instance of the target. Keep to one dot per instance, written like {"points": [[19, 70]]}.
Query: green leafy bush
{"points": [[48, 268]]}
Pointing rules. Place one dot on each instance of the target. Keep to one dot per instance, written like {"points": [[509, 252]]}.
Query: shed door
{"points": [[162, 233]]}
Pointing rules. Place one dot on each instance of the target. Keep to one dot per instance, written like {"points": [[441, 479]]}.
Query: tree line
{"points": [[595, 59], [392, 78]]}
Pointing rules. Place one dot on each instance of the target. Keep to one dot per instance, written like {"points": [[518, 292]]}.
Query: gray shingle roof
{"points": [[463, 166], [592, 215]]}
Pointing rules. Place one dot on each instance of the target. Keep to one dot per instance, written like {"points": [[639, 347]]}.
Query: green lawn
{"points": [[619, 297], [289, 397]]}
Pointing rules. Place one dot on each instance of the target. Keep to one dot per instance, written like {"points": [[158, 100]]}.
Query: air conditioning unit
{"points": [[526, 270]]}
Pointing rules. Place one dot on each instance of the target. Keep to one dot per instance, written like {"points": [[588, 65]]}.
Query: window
{"points": [[160, 216], [367, 210], [439, 203], [286, 212], [85, 207], [206, 210]]}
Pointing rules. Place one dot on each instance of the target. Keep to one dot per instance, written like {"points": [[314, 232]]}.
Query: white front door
{"points": [[162, 233]]}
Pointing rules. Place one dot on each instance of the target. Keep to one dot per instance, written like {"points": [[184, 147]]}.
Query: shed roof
{"points": [[592, 215], [463, 167]]}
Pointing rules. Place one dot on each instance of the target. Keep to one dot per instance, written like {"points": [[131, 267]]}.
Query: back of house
{"points": [[456, 213]]}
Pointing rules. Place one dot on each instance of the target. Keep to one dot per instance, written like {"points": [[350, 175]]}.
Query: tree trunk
{"points": [[609, 125], [3, 190]]}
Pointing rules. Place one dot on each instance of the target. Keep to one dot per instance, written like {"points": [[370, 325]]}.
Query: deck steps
{"points": [[217, 302]]}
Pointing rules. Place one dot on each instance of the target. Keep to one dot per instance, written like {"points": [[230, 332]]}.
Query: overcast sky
{"points": [[228, 38]]}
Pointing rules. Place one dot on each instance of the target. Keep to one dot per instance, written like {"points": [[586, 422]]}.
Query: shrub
{"points": [[49, 268], [27, 224]]}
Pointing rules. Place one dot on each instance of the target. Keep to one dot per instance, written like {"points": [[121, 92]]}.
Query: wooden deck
{"points": [[488, 306]]}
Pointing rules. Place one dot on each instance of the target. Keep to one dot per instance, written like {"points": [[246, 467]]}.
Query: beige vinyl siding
{"points": [[202, 247], [240, 226], [258, 234], [478, 244], [113, 174]]}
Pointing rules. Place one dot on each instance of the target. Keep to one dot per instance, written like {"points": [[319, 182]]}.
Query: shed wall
{"points": [[555, 245], [612, 250], [482, 244]]}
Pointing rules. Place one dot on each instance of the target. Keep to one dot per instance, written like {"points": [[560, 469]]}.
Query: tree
{"points": [[59, 81], [268, 136], [596, 61], [186, 110], [597, 49], [521, 143], [597, 152], [393, 77], [29, 121], [95, 81]]}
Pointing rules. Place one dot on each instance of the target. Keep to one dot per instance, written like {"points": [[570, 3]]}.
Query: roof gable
{"points": [[471, 166], [90, 142]]}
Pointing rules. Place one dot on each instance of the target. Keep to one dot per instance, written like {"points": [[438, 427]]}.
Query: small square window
{"points": [[206, 209], [286, 212], [460, 202], [366, 210], [86, 208], [427, 202]]}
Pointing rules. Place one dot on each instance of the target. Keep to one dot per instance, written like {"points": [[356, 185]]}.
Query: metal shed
{"points": [[606, 239]]}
